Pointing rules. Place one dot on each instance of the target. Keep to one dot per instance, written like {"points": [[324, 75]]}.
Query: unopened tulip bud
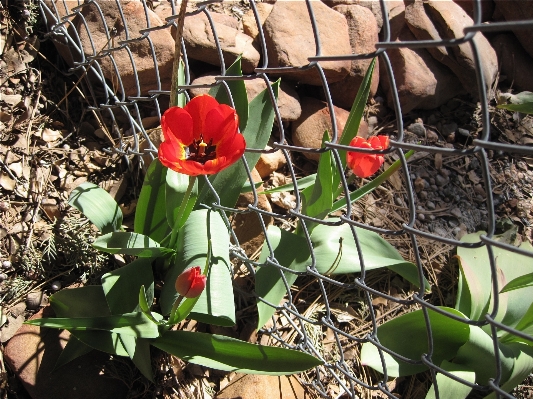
{"points": [[191, 282]]}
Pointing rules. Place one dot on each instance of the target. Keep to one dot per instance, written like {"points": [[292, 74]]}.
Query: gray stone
{"points": [[417, 128]]}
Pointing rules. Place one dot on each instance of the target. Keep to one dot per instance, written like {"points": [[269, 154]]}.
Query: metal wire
{"points": [[111, 103]]}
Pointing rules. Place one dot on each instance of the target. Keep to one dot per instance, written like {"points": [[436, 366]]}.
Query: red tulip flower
{"points": [[191, 282], [362, 164], [201, 138]]}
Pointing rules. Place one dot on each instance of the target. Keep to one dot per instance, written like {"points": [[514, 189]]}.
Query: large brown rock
{"points": [[263, 387], [515, 63], [372, 5], [32, 354], [288, 99], [438, 20], [518, 10], [249, 23], [421, 81], [290, 40], [201, 45], [363, 31], [309, 129], [122, 78], [487, 8]]}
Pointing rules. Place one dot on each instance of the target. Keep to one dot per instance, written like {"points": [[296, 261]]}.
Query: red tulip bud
{"points": [[191, 282]]}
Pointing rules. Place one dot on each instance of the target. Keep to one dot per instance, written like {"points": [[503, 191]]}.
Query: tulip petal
{"points": [[177, 124], [221, 123], [199, 107]]}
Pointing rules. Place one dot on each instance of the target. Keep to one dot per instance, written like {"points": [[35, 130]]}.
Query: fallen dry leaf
{"points": [[7, 182], [50, 135]]}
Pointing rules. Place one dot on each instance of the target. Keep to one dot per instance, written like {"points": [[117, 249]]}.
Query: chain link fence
{"points": [[300, 323]]}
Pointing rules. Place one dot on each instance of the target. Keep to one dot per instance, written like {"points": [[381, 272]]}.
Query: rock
{"points": [[288, 99], [515, 63], [263, 387], [32, 354], [247, 226], [421, 81], [290, 44], [363, 31], [518, 10], [448, 128], [200, 43], [270, 162], [487, 8], [372, 5], [417, 128], [438, 20], [249, 24], [135, 17], [308, 130]]}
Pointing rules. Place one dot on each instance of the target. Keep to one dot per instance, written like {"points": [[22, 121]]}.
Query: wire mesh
{"points": [[296, 326]]}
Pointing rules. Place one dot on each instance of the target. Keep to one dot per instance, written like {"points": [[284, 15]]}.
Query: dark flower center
{"points": [[200, 151]]}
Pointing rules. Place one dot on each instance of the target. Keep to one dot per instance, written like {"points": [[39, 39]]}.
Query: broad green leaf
{"points": [[448, 387], [367, 188], [238, 93], [143, 300], [332, 257], [356, 113], [512, 266], [215, 305], [229, 354], [229, 182], [317, 199], [121, 286], [122, 242], [397, 335], [98, 206], [291, 251], [523, 365], [134, 324], [478, 354], [104, 341], [72, 350], [520, 282], [525, 325], [150, 214], [139, 352], [525, 108], [176, 188], [88, 301]]}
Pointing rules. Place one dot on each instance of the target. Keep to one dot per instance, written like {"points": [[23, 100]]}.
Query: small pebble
{"points": [[421, 217], [456, 212], [441, 180], [4, 206], [418, 129], [423, 195], [33, 300], [463, 133], [55, 286], [3, 277], [6, 264], [430, 205], [398, 201]]}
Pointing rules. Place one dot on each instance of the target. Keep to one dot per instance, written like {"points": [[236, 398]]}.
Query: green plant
{"points": [[462, 347]]}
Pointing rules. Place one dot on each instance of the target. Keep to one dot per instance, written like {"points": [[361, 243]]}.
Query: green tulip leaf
{"points": [[356, 113], [72, 350], [215, 305], [150, 213], [139, 352], [87, 301], [229, 182], [98, 206], [522, 367], [397, 335], [335, 253], [450, 388], [238, 93], [177, 184], [473, 297], [134, 324], [121, 286], [520, 282], [122, 242], [180, 99], [104, 341], [291, 251], [229, 354]]}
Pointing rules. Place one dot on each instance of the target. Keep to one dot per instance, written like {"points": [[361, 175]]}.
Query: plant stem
{"points": [[177, 221], [177, 53]]}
